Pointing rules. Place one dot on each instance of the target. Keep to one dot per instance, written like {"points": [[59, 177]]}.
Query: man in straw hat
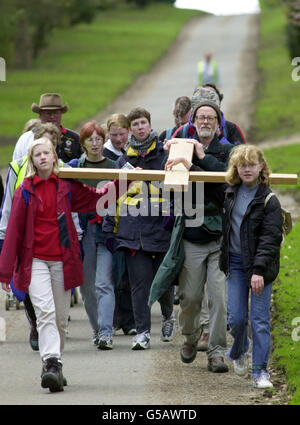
{"points": [[50, 109]]}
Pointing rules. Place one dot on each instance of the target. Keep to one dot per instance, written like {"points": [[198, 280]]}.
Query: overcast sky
{"points": [[220, 7]]}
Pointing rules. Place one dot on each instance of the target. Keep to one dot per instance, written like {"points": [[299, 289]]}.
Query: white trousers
{"points": [[51, 305]]}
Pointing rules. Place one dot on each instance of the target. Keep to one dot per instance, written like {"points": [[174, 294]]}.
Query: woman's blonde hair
{"points": [[48, 128], [31, 124], [242, 155], [31, 169]]}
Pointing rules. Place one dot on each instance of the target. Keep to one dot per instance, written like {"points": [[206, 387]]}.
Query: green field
{"points": [[91, 64]]}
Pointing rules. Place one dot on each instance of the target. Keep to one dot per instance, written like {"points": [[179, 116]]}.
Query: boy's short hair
{"points": [[118, 120], [138, 113]]}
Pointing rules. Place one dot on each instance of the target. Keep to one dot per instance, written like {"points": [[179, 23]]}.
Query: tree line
{"points": [[293, 27], [26, 25]]}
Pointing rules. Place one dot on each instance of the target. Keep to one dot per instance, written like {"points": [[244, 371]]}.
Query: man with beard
{"points": [[202, 244]]}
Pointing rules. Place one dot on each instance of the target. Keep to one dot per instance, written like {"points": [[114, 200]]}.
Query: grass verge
{"points": [[286, 289], [286, 315], [285, 159], [278, 99]]}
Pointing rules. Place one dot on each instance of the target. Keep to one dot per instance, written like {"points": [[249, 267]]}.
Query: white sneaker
{"points": [[168, 329], [141, 341], [105, 342], [241, 365], [263, 381]]}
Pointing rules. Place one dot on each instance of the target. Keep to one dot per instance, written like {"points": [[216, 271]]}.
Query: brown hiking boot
{"points": [[188, 352], [217, 365], [203, 342]]}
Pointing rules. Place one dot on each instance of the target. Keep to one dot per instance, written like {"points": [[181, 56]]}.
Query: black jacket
{"points": [[233, 133], [143, 231], [69, 147], [260, 233]]}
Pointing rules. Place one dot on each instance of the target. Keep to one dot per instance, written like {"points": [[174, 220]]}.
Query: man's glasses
{"points": [[202, 118]]}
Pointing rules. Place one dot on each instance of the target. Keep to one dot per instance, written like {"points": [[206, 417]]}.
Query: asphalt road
{"points": [[123, 376]]}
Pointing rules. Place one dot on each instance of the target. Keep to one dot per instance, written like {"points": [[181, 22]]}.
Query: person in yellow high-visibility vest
{"points": [[207, 71]]}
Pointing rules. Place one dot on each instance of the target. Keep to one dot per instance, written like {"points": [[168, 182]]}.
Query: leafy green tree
{"points": [[292, 9], [7, 29]]}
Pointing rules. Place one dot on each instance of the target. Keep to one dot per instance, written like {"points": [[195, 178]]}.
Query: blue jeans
{"points": [[238, 308], [97, 290]]}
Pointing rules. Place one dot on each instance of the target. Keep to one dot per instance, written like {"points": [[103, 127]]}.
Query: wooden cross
{"points": [[176, 179]]}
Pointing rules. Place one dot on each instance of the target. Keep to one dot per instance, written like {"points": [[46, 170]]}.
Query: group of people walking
{"points": [[54, 239]]}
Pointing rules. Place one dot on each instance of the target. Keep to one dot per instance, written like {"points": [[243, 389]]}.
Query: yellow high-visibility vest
{"points": [[200, 67]]}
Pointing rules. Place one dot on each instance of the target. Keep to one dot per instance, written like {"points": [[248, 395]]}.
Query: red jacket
{"points": [[17, 251]]}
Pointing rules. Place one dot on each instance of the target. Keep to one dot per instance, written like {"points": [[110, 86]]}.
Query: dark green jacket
{"points": [[216, 159], [171, 264]]}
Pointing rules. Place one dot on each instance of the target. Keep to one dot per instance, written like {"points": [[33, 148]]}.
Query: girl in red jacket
{"points": [[41, 249]]}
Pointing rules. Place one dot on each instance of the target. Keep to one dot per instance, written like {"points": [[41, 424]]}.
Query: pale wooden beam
{"points": [[111, 173], [158, 175], [178, 177]]}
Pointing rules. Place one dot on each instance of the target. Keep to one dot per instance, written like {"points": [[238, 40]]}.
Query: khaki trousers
{"points": [[201, 266]]}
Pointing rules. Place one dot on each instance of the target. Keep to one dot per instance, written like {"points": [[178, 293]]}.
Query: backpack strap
{"points": [[185, 129], [287, 224], [268, 197], [70, 193], [224, 128], [26, 195], [169, 133]]}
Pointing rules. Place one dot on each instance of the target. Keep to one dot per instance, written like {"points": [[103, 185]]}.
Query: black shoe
{"points": [[131, 331], [34, 337], [52, 376]]}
